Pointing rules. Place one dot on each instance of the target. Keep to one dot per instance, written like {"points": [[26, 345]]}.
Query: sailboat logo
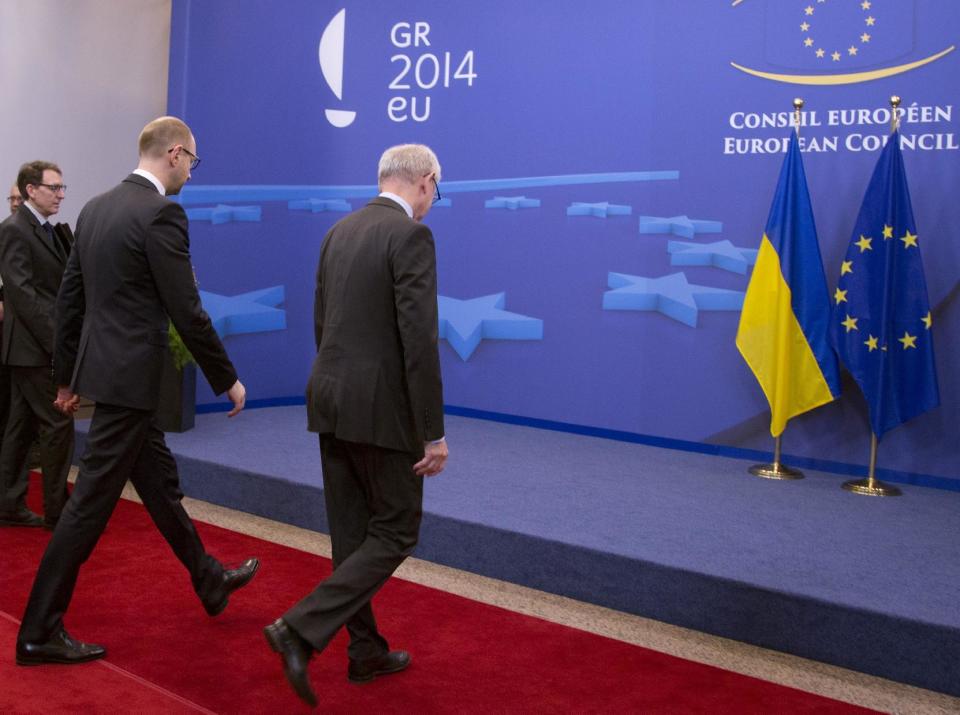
{"points": [[331, 64]]}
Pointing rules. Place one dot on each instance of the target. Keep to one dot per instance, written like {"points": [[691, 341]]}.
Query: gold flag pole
{"points": [[797, 106], [776, 470], [871, 486]]}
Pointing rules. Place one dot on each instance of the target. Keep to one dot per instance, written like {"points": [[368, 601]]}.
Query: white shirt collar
{"points": [[400, 200], [40, 217], [152, 179]]}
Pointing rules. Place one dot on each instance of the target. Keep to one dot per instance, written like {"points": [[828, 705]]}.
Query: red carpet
{"points": [[165, 655]]}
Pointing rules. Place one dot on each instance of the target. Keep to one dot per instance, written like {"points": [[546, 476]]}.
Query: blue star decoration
{"points": [[318, 205], [721, 254], [678, 225], [221, 213], [600, 210], [671, 295], [253, 312], [464, 323], [511, 202]]}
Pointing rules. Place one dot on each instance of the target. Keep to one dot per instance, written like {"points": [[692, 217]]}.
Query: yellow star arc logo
{"points": [[840, 296], [850, 323], [908, 340], [846, 267], [871, 343], [909, 240], [864, 243]]}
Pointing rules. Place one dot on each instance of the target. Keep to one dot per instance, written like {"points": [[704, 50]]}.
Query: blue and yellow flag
{"points": [[881, 317], [786, 312]]}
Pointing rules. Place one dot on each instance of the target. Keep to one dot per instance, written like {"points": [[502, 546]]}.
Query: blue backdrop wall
{"points": [[607, 172]]}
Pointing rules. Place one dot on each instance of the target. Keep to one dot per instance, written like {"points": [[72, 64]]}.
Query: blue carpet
{"points": [[686, 538]]}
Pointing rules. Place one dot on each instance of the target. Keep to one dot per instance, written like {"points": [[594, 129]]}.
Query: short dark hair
{"points": [[32, 173]]}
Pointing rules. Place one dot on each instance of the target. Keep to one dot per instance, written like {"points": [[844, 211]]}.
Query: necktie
{"points": [[53, 239]]}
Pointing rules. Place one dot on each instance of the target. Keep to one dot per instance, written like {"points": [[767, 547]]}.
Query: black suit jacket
{"points": [[32, 269], [376, 376], [130, 269]]}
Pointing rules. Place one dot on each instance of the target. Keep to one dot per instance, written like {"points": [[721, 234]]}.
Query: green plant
{"points": [[181, 356]]}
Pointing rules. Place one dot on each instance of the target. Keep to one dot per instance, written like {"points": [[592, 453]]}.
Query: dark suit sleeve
{"points": [[19, 281], [70, 309], [318, 301], [414, 266], [168, 252]]}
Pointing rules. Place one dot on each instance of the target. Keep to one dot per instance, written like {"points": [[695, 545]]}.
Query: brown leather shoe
{"points": [[232, 580], [363, 671], [295, 653], [59, 649]]}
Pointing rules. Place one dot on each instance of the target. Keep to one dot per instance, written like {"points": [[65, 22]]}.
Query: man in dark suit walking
{"points": [[375, 398], [129, 274], [32, 260], [15, 200]]}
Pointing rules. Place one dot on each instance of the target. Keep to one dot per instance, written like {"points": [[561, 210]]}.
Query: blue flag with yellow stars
{"points": [[881, 323]]}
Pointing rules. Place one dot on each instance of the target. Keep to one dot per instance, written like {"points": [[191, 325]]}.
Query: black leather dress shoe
{"points": [[295, 654], [232, 580], [20, 517], [363, 671], [59, 649]]}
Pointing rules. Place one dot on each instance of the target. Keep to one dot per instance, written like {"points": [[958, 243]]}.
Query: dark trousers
{"points": [[32, 393], [4, 415], [374, 504], [122, 444]]}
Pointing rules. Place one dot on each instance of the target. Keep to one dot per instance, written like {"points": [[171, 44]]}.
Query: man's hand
{"points": [[66, 401], [238, 396], [434, 459]]}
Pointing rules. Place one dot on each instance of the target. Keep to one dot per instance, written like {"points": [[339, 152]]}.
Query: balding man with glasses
{"points": [[33, 256], [129, 277], [14, 199]]}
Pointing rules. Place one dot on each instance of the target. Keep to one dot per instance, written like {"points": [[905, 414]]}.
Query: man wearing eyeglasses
{"points": [[14, 199], [376, 399], [128, 278], [32, 259]]}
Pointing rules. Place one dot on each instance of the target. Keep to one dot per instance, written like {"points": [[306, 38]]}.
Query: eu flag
{"points": [[783, 332], [881, 317]]}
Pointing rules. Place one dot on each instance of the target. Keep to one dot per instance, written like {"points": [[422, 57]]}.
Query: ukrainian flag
{"points": [[784, 326]]}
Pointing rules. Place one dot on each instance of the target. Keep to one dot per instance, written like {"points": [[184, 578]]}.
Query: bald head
{"points": [[168, 151], [161, 134]]}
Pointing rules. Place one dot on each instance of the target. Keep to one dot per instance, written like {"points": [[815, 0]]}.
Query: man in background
{"points": [[375, 398], [14, 199], [32, 259], [128, 278]]}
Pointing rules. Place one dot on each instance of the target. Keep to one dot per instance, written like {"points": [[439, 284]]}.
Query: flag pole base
{"points": [[775, 471], [871, 487]]}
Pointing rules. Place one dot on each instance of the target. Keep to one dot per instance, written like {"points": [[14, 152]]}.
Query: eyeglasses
{"points": [[55, 188], [15, 199], [436, 189], [194, 161]]}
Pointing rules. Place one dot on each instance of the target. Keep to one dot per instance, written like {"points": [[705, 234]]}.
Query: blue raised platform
{"points": [[691, 539]]}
